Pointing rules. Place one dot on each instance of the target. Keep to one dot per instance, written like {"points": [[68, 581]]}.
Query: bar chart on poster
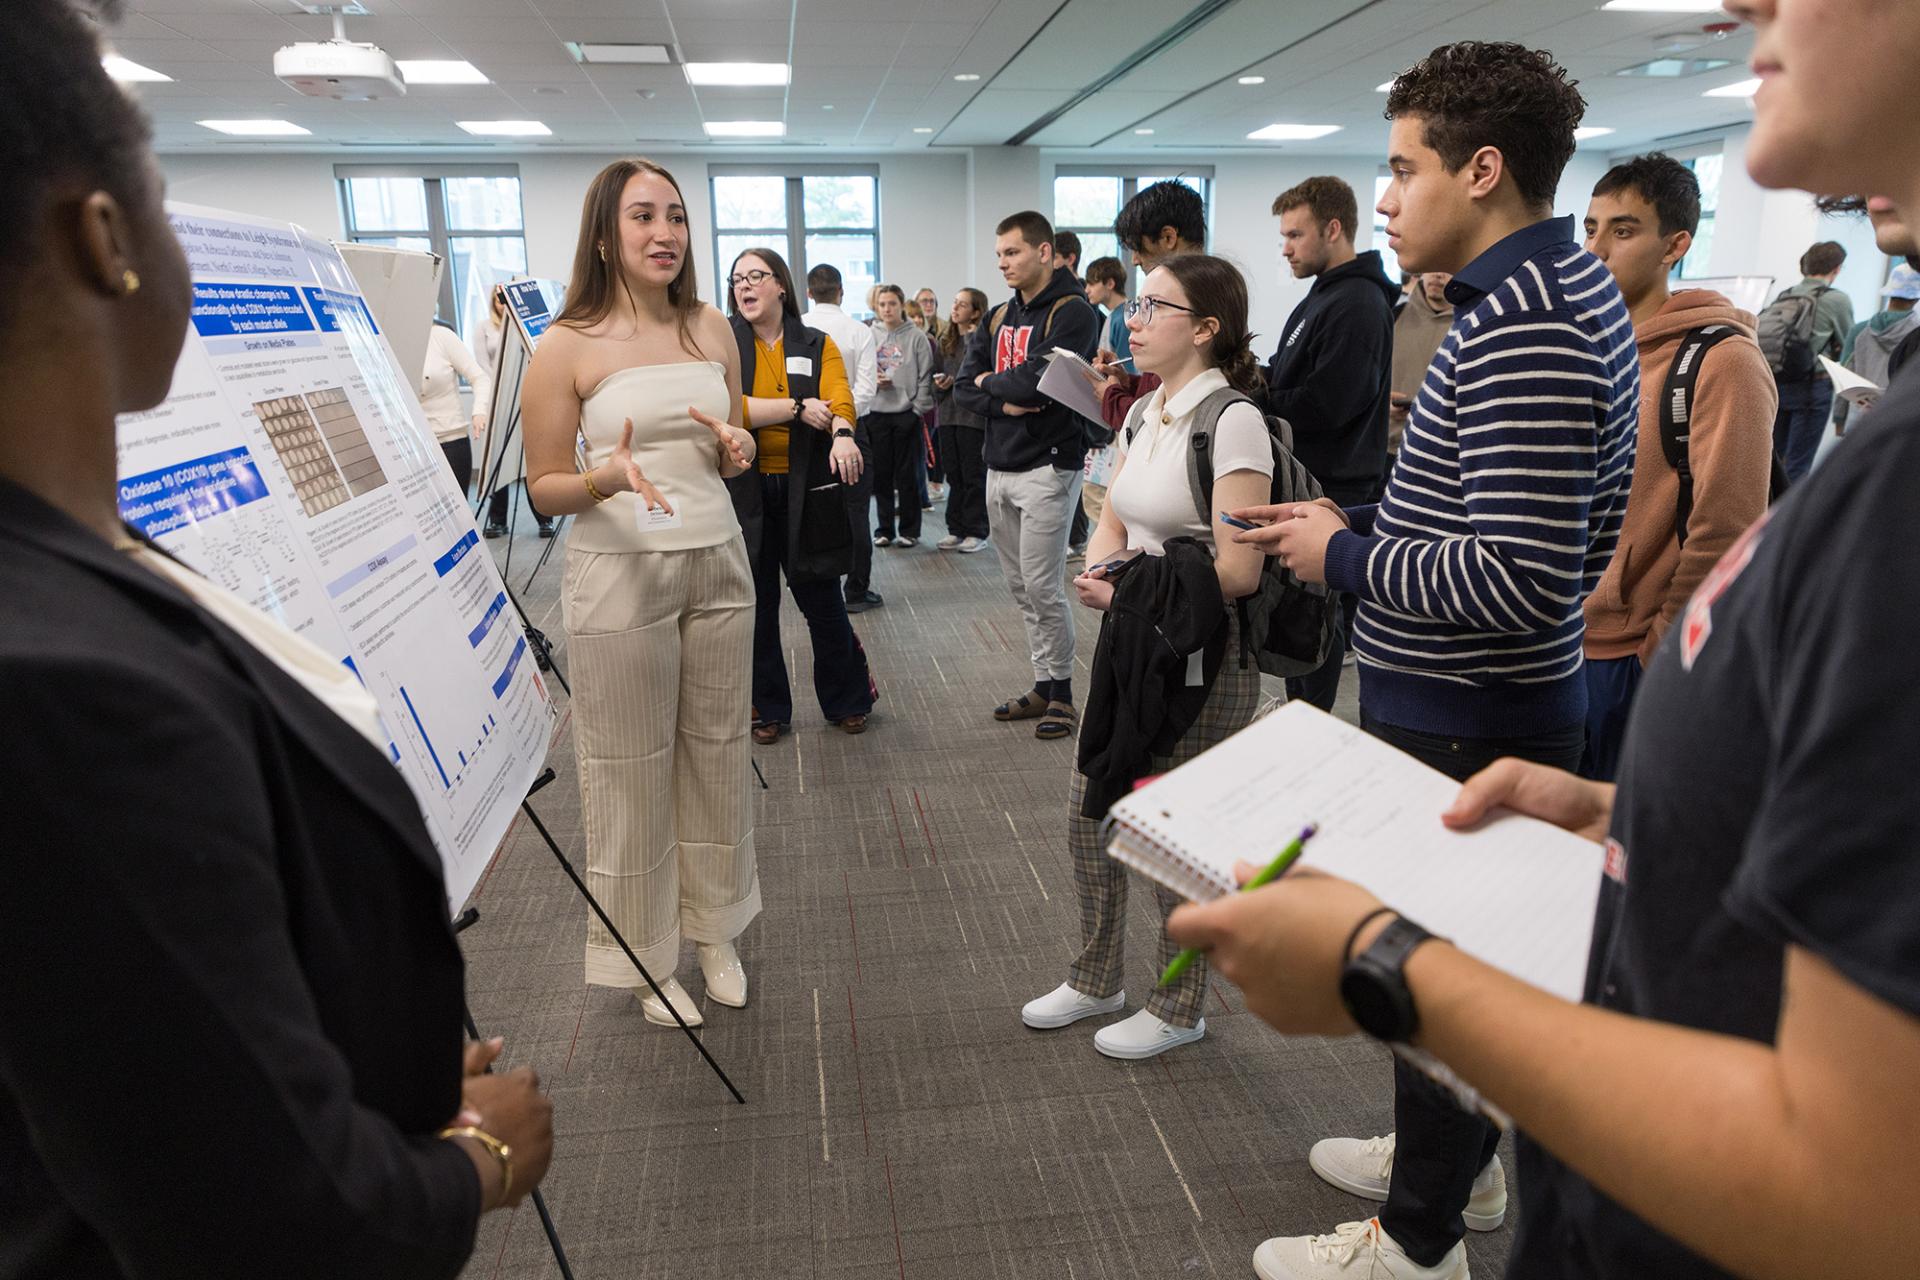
{"points": [[293, 466]]}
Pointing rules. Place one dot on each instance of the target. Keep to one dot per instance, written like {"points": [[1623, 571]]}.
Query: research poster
{"points": [[292, 464]]}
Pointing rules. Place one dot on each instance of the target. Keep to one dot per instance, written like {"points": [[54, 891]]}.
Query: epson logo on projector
{"points": [[339, 70]]}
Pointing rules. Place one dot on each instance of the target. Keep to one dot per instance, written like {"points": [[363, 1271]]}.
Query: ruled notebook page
{"points": [[1516, 892]]}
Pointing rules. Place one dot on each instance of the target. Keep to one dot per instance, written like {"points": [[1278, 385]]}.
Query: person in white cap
{"points": [[1870, 345]]}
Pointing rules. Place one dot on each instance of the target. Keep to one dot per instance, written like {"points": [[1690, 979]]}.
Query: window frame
{"points": [[1131, 176], [791, 240], [438, 232]]}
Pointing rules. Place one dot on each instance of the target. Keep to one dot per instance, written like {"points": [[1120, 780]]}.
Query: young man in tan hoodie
{"points": [[1641, 223]]}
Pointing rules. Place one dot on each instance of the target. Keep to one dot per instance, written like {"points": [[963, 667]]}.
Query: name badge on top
{"points": [[800, 365], [654, 519]]}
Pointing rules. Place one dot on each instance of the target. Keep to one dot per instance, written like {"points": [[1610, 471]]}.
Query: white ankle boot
{"points": [[726, 979], [656, 1013]]}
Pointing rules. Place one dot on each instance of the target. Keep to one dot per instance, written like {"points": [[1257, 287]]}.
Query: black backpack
{"points": [[1676, 411], [1092, 434], [1286, 625], [1785, 333]]}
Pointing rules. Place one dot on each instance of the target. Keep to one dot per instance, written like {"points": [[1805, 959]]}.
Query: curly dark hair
{"points": [[1663, 182], [1482, 93], [1154, 208]]}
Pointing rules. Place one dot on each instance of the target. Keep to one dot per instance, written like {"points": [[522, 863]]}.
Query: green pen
{"points": [[1268, 874]]}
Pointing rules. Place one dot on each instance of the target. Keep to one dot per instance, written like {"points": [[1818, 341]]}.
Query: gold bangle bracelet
{"points": [[586, 477], [499, 1150]]}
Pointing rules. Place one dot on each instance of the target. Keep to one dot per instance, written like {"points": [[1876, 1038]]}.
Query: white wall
{"points": [[1762, 232]]}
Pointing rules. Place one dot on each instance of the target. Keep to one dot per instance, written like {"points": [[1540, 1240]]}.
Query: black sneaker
{"points": [[864, 601], [546, 530], [495, 529]]}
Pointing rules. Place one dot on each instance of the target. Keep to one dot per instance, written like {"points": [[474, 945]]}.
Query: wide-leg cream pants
{"points": [[660, 648]]}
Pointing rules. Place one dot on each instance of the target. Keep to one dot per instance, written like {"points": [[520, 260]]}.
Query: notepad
{"points": [[1515, 892], [1070, 380], [1853, 388]]}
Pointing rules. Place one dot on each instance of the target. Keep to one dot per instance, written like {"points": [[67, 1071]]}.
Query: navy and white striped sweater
{"points": [[1505, 504]]}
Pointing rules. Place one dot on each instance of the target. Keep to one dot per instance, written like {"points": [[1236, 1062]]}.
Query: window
{"points": [[471, 217], [1698, 264], [824, 215], [1086, 201]]}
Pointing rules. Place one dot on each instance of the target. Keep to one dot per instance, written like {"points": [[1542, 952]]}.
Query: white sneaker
{"points": [[949, 542], [1355, 1251], [906, 542], [726, 979], [1364, 1167], [1063, 1006], [1145, 1036], [882, 540], [971, 545], [656, 1013]]}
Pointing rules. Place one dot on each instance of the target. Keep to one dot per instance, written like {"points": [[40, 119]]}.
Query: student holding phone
{"points": [[1189, 327]]}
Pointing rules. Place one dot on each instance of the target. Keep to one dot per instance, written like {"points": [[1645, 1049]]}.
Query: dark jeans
{"points": [[460, 458], [497, 506], [1320, 687], [897, 444], [1611, 684], [1801, 422], [1442, 1149], [839, 672], [859, 507], [965, 451]]}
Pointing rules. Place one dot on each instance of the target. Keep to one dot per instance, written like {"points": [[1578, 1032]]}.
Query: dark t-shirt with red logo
{"points": [[1766, 799]]}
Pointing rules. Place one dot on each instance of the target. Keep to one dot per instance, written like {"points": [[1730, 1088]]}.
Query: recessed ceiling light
{"points": [[1590, 131], [551, 91], [746, 129], [1386, 87], [1293, 132], [255, 128], [619, 54], [1253, 79], [738, 73], [826, 106], [1742, 89], [966, 76], [922, 129], [132, 72], [1671, 68], [1142, 132], [1663, 6], [455, 71], [505, 128]]}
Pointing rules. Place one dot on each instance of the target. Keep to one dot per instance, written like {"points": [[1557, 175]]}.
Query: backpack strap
{"points": [[1676, 411], [1206, 420], [998, 318], [1046, 326]]}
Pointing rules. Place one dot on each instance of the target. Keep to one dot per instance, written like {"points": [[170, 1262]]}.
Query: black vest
{"points": [[819, 534]]}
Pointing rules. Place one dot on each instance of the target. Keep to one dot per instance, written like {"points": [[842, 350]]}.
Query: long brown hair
{"points": [[597, 277], [1217, 291], [951, 339], [789, 305]]}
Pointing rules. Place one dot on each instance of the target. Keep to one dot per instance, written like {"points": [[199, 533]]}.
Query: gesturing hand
{"points": [[630, 474], [733, 442], [847, 462]]}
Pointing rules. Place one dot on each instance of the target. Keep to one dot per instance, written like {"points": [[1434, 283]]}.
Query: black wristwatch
{"points": [[843, 433], [1373, 984]]}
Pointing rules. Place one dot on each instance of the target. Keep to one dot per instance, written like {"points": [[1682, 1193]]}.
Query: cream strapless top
{"points": [[675, 453]]}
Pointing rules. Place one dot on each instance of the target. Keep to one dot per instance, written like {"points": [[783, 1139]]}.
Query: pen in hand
{"points": [[1268, 874]]}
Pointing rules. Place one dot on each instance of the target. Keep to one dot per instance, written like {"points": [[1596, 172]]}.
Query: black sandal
{"points": [[1028, 706], [1056, 722]]}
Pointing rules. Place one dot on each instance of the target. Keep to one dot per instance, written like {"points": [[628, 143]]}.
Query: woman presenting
{"points": [[658, 596]]}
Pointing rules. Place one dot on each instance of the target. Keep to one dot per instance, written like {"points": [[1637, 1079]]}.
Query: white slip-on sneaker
{"points": [[1063, 1006], [1355, 1251], [971, 545], [726, 978], [656, 1013], [949, 542], [906, 542], [1364, 1167], [1145, 1036]]}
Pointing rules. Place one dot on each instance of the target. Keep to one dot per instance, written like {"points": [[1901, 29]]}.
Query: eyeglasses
{"points": [[1143, 306], [755, 278]]}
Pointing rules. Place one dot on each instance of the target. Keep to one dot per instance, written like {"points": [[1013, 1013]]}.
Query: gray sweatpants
{"points": [[1029, 512]]}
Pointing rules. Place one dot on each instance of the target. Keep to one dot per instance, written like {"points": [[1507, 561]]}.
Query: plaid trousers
{"points": [[1100, 883]]}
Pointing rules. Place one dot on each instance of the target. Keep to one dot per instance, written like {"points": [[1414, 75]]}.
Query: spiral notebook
{"points": [[1516, 892]]}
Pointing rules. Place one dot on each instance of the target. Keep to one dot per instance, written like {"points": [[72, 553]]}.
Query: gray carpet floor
{"points": [[900, 1121]]}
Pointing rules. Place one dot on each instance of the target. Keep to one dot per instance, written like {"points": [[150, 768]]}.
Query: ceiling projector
{"points": [[341, 70]]}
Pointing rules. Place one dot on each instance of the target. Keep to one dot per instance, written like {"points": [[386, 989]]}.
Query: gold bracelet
{"points": [[498, 1149], [595, 494]]}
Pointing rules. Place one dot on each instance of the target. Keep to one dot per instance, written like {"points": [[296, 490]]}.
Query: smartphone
{"points": [[1115, 566], [1238, 524]]}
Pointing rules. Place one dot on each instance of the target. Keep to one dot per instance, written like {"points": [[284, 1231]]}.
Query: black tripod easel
{"points": [[465, 921], [490, 469]]}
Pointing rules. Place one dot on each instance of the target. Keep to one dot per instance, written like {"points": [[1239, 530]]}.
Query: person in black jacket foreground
{"points": [[1035, 449], [1331, 378], [230, 1026], [1169, 679]]}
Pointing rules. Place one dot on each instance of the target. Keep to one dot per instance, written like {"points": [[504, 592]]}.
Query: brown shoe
{"points": [[1028, 706], [1057, 722], [853, 724], [768, 732]]}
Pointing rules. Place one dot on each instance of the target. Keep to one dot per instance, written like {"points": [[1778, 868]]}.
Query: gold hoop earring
{"points": [[130, 282], [603, 251]]}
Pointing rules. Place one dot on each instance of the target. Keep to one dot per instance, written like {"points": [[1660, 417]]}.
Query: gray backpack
{"points": [[1286, 625], [1785, 334]]}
